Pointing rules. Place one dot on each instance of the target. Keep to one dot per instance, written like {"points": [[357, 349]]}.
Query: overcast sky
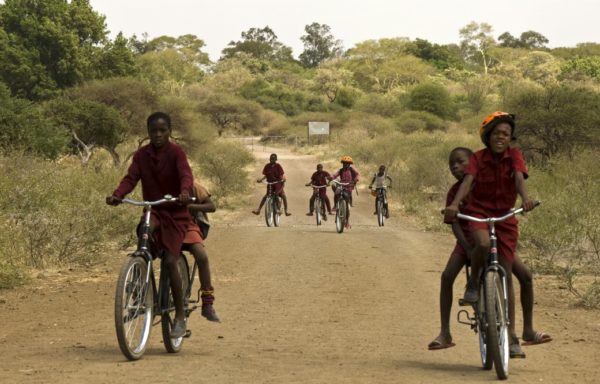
{"points": [[217, 22]]}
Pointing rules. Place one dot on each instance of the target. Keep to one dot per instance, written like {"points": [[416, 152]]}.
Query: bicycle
{"points": [[490, 318], [380, 203], [137, 298], [272, 205], [318, 205], [342, 206]]}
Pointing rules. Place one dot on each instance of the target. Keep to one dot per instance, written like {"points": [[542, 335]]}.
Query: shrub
{"points": [[224, 164], [432, 98], [412, 121], [384, 105]]}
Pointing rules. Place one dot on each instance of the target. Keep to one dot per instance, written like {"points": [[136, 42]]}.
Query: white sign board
{"points": [[318, 128]]}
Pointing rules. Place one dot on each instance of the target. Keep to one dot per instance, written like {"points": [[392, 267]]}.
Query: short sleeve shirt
{"points": [[464, 225], [320, 178], [494, 190], [274, 172]]}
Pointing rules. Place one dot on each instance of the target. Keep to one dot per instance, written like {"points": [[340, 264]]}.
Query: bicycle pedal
{"points": [[188, 333], [463, 303]]}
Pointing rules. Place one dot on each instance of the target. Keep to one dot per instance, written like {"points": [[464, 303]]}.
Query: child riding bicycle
{"points": [[493, 178], [347, 175], [163, 168], [273, 172], [379, 181], [320, 178]]}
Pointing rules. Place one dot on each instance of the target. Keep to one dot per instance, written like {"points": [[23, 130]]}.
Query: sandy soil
{"points": [[299, 303]]}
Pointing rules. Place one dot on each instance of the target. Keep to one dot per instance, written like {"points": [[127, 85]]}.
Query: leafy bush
{"points": [[224, 164], [412, 121], [432, 98], [279, 97], [384, 105]]}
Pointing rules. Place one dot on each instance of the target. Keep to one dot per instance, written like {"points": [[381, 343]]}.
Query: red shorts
{"points": [[507, 233], [192, 235]]}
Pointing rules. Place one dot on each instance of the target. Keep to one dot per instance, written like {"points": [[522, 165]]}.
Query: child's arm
{"points": [[451, 210], [372, 181], [389, 178], [205, 205], [128, 182], [261, 179], [460, 236], [528, 205]]}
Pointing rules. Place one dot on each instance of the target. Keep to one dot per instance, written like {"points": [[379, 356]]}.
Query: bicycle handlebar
{"points": [[508, 215], [271, 183], [166, 199], [340, 183], [317, 186]]}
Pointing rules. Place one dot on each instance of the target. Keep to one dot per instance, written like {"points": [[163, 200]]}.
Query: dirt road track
{"points": [[299, 304]]}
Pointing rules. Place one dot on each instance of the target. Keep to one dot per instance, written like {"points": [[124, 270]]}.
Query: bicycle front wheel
{"points": [[167, 303], [497, 329], [341, 215], [318, 210], [276, 211], [380, 212], [133, 308], [269, 211]]}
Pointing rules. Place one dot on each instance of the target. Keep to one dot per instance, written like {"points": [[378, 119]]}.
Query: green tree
{"points": [[319, 45], [328, 80], [476, 42], [581, 69], [188, 46], [555, 119], [260, 43], [91, 125], [116, 59], [168, 70], [439, 55], [47, 45], [231, 113], [527, 40], [24, 128]]}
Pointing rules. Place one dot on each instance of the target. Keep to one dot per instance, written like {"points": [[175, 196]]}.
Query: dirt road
{"points": [[299, 304]]}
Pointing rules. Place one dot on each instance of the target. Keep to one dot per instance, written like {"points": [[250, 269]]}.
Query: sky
{"points": [[217, 22]]}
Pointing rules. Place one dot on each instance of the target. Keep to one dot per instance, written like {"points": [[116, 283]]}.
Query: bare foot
{"points": [[256, 212]]}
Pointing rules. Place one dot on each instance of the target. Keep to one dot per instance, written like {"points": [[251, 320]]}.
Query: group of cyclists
{"points": [[347, 177], [488, 183]]}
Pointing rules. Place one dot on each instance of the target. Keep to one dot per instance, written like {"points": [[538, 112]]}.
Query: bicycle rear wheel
{"points": [[133, 308], [497, 329], [318, 210], [167, 304], [380, 212], [269, 211]]}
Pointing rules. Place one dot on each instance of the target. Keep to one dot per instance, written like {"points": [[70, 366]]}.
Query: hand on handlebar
{"points": [[450, 213], [528, 205], [184, 197], [113, 200]]}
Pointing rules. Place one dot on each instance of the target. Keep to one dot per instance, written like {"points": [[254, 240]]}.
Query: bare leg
{"points": [[482, 245], [262, 202], [176, 286], [285, 204], [525, 278]]}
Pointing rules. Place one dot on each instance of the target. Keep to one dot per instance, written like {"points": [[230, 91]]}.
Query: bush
{"points": [[54, 214], [412, 121], [384, 105], [432, 98], [279, 97], [224, 164]]}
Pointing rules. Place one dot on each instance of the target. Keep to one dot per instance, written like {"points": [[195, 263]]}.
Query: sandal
{"points": [[437, 345], [514, 349], [539, 338]]}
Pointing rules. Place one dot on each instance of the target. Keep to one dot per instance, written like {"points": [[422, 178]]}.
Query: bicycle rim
{"points": [[269, 212], [339, 221], [497, 330], [133, 308], [168, 304], [380, 212], [486, 360]]}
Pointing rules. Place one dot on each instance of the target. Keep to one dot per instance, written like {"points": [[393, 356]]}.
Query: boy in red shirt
{"points": [[273, 172], [320, 179], [163, 168], [496, 174]]}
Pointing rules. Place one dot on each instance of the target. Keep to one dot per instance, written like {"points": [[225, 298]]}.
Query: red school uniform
{"points": [[319, 179], [274, 172], [162, 171], [494, 193]]}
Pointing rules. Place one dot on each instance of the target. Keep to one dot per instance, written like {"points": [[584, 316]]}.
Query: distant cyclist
{"points": [[378, 181], [347, 175], [319, 179], [273, 172]]}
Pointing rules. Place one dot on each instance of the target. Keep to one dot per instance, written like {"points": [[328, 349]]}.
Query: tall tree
{"points": [[46, 45], [476, 41], [260, 43], [527, 40], [189, 46], [319, 45]]}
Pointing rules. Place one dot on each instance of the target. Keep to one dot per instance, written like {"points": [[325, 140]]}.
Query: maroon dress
{"points": [[162, 171]]}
